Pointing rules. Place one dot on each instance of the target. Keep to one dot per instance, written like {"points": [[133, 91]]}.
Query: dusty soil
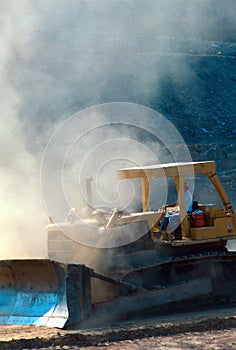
{"points": [[215, 329]]}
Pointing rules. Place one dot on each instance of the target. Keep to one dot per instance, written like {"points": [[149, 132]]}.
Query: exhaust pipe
{"points": [[88, 181]]}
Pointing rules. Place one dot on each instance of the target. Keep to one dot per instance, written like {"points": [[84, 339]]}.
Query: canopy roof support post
{"points": [[145, 193], [220, 190], [176, 181], [182, 207]]}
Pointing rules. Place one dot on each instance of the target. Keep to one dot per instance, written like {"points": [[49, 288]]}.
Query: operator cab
{"points": [[207, 222]]}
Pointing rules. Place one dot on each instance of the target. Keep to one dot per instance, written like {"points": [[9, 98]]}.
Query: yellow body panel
{"points": [[222, 227], [203, 232], [210, 212]]}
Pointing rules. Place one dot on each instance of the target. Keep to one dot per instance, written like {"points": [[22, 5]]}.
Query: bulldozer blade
{"points": [[42, 292]]}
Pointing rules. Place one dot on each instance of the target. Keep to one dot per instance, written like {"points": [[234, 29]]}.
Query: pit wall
{"points": [[225, 157]]}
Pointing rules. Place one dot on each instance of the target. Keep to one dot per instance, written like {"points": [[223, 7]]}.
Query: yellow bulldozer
{"points": [[118, 278]]}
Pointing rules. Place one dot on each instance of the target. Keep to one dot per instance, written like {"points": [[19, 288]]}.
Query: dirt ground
{"points": [[215, 329]]}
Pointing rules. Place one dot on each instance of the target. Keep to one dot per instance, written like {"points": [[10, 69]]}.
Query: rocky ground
{"points": [[215, 329]]}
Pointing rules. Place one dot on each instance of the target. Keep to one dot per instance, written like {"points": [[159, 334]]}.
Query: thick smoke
{"points": [[58, 57]]}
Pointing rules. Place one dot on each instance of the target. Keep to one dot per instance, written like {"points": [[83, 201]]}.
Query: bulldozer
{"points": [[119, 278]]}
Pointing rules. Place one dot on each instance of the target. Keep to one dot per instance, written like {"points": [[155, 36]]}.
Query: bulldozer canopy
{"points": [[167, 170]]}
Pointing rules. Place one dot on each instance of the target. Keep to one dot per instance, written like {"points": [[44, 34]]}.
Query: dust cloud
{"points": [[58, 57]]}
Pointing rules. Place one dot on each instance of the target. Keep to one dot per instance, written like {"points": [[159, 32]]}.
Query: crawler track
{"points": [[194, 282]]}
